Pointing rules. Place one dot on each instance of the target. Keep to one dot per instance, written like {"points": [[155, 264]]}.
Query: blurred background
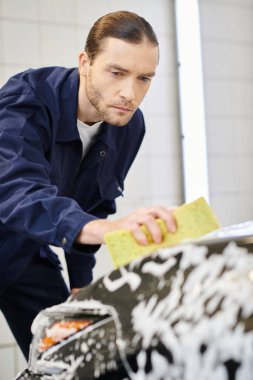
{"points": [[35, 33]]}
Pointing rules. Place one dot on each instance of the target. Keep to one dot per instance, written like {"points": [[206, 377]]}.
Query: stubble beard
{"points": [[96, 99]]}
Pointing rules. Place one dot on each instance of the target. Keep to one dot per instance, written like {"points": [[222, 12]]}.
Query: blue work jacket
{"points": [[47, 192]]}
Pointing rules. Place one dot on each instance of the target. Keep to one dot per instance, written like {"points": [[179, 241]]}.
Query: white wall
{"points": [[36, 33], [227, 46]]}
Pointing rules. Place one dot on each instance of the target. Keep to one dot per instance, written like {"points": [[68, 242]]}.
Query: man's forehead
{"points": [[109, 43], [121, 52]]}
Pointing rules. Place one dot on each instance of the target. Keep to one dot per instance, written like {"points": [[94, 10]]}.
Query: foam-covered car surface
{"points": [[182, 313]]}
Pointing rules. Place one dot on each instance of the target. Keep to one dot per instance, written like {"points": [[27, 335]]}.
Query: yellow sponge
{"points": [[193, 220]]}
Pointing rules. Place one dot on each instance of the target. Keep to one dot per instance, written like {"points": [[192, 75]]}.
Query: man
{"points": [[67, 140]]}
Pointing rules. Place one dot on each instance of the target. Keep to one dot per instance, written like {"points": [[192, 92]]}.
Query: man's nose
{"points": [[128, 90]]}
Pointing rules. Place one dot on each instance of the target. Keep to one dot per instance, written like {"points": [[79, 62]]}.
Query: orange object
{"points": [[60, 331]]}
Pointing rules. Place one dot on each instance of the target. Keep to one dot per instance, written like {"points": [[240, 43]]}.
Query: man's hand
{"points": [[74, 291], [93, 232]]}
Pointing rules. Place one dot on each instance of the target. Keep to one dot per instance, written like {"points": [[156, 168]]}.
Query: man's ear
{"points": [[83, 63]]}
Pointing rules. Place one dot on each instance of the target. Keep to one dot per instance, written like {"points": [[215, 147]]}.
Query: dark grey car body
{"points": [[183, 313]]}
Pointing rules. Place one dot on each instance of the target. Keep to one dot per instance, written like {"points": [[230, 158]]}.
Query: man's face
{"points": [[118, 79]]}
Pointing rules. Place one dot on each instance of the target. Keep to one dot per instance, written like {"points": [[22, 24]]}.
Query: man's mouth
{"points": [[123, 109]]}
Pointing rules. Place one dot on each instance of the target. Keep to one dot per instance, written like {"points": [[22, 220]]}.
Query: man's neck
{"points": [[86, 112]]}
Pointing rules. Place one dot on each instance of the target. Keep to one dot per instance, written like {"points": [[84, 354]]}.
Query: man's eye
{"points": [[116, 73], [145, 79]]}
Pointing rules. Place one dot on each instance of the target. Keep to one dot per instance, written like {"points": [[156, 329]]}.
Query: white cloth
{"points": [[87, 134]]}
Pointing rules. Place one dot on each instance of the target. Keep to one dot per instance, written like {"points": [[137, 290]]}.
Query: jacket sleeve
{"points": [[81, 260], [29, 203]]}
